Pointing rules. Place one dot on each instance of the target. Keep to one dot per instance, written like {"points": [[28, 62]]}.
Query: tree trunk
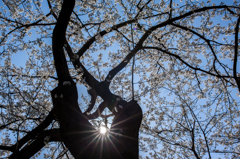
{"points": [[84, 141], [77, 133]]}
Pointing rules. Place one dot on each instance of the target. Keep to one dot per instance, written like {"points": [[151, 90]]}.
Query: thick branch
{"points": [[237, 79], [141, 9], [8, 148], [74, 127], [93, 95], [98, 112], [124, 63], [185, 15], [39, 142], [138, 46], [186, 63], [35, 132], [23, 26], [58, 41], [102, 33], [89, 79], [100, 88]]}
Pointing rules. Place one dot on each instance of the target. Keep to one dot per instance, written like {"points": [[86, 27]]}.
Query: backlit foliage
{"points": [[186, 76]]}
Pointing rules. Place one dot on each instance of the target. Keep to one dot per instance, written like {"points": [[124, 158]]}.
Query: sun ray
{"points": [[109, 139], [103, 130], [122, 121], [121, 135], [96, 137]]}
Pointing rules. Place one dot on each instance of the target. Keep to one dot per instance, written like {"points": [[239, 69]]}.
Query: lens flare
{"points": [[103, 130]]}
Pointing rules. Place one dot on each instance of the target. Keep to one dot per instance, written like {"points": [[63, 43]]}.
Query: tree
{"points": [[177, 59]]}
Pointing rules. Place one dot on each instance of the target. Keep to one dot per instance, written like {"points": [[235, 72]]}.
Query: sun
{"points": [[103, 129]]}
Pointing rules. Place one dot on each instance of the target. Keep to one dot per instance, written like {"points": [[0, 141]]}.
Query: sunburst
{"points": [[103, 130]]}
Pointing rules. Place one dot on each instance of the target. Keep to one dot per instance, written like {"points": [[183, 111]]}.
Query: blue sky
{"points": [[19, 59]]}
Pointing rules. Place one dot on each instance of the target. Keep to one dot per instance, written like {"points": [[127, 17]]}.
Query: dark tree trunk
{"points": [[77, 133], [84, 141]]}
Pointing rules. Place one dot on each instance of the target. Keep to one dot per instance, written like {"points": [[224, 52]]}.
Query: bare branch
{"points": [[237, 79]]}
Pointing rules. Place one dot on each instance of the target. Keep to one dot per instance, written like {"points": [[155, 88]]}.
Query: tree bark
{"points": [[77, 133], [84, 141]]}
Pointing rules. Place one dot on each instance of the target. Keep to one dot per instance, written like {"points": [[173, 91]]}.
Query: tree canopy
{"points": [[177, 58]]}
